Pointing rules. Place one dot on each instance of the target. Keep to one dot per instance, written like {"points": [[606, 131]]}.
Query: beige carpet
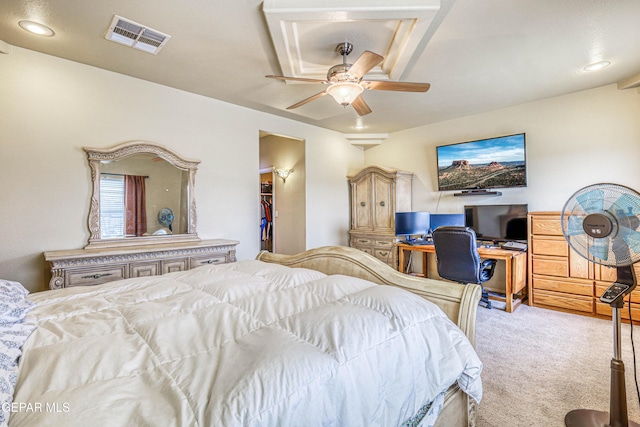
{"points": [[540, 364]]}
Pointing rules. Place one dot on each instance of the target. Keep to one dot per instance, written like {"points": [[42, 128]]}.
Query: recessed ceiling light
{"points": [[359, 124], [597, 66], [35, 28]]}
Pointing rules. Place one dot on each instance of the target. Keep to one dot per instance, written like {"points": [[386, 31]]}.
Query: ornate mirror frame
{"points": [[98, 155]]}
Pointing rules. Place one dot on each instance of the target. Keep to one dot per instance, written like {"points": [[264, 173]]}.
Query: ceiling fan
{"points": [[345, 81]]}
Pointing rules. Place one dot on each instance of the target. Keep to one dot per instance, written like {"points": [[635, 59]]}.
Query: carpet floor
{"points": [[540, 364]]}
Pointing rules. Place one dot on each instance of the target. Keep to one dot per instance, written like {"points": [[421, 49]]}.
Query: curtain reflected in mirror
{"points": [[135, 206]]}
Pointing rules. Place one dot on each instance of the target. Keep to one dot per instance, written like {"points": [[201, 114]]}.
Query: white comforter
{"points": [[248, 343]]}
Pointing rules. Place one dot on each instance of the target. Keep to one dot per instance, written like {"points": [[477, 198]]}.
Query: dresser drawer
{"points": [[550, 266], [554, 247], [144, 269], [173, 265], [605, 310], [94, 276], [208, 260], [569, 287], [634, 296], [546, 226], [569, 302]]}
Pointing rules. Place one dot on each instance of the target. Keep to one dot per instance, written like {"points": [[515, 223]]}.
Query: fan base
{"points": [[591, 418]]}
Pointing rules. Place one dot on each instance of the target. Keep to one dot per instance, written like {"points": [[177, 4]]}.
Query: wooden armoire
{"points": [[376, 195]]}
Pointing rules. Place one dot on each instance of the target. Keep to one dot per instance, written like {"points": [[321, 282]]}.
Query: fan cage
{"points": [[618, 204]]}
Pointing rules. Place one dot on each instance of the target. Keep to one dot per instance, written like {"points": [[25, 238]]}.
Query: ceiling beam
{"points": [[629, 83]]}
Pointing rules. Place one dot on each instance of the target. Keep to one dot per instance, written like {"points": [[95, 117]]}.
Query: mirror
{"points": [[166, 206]]}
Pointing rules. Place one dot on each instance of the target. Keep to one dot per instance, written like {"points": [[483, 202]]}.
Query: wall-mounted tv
{"points": [[481, 164]]}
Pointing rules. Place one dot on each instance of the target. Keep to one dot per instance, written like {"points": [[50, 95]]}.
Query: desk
{"points": [[515, 268]]}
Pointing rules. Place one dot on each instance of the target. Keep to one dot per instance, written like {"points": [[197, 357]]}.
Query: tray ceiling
{"points": [[305, 34]]}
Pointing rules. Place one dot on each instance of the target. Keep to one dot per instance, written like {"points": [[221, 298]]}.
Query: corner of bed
{"points": [[458, 302]]}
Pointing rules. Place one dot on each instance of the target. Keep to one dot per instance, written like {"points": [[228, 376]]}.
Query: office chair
{"points": [[458, 259]]}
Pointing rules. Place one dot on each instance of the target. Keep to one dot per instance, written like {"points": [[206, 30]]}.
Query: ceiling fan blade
{"points": [[364, 64], [360, 106], [309, 99], [397, 86], [297, 79]]}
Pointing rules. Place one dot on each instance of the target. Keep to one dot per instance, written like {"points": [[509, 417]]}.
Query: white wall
{"points": [[572, 141], [50, 108]]}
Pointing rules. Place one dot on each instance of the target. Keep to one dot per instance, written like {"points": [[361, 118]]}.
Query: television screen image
{"points": [[486, 163], [498, 222]]}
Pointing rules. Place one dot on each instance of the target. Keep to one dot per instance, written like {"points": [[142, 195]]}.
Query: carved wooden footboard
{"points": [[459, 302]]}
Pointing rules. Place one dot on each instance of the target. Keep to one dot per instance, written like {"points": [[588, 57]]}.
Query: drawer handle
{"points": [[384, 253], [97, 276], [211, 261], [381, 203], [363, 241], [362, 204]]}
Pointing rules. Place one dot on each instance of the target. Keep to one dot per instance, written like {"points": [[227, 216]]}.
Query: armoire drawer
{"points": [[359, 241], [565, 301], [384, 255]]}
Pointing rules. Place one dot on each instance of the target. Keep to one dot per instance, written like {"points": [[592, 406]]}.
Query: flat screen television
{"points": [[412, 224], [481, 164], [501, 223]]}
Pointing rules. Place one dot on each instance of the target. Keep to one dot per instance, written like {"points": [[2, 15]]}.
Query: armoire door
{"points": [[383, 203], [361, 204]]}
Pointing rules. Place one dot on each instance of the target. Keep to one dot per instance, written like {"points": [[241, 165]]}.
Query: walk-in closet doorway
{"points": [[282, 197]]}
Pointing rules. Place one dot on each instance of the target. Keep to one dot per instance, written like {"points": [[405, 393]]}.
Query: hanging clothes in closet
{"points": [[266, 224]]}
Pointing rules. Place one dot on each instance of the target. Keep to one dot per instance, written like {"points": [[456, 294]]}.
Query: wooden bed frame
{"points": [[459, 302]]}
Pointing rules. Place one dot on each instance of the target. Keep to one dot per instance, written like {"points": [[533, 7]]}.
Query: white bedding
{"points": [[247, 343]]}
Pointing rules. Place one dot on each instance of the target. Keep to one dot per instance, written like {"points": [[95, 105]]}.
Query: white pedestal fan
{"points": [[601, 222]]}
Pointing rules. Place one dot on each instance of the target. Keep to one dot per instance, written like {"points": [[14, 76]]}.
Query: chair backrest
{"points": [[457, 254]]}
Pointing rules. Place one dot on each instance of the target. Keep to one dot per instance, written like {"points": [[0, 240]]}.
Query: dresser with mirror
{"points": [[142, 219]]}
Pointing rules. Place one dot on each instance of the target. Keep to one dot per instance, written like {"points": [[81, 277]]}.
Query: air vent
{"points": [[135, 35]]}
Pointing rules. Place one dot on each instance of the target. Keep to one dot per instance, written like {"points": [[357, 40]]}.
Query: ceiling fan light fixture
{"points": [[345, 92]]}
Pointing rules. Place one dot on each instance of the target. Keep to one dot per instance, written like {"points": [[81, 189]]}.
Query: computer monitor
{"points": [[412, 224], [498, 222], [438, 220]]}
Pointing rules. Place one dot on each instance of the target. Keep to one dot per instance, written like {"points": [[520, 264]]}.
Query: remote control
{"points": [[614, 292]]}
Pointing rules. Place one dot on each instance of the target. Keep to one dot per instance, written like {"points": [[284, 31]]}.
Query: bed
{"points": [[307, 339]]}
